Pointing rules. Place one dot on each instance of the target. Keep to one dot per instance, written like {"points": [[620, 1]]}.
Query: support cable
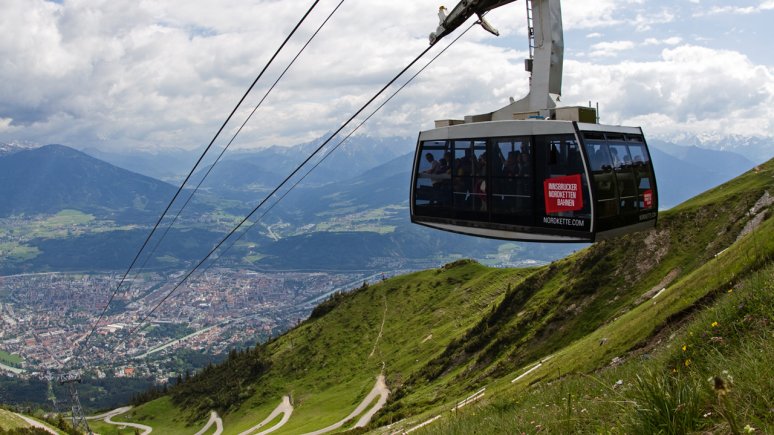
{"points": [[285, 181], [329, 152], [239, 130], [77, 353], [325, 156]]}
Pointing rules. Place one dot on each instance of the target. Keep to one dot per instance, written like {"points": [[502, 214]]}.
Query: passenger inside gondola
{"points": [[511, 166]]}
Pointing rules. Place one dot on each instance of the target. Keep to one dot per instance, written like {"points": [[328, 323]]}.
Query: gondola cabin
{"points": [[534, 180]]}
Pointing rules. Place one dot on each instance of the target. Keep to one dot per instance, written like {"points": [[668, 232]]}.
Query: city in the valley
{"points": [[45, 317]]}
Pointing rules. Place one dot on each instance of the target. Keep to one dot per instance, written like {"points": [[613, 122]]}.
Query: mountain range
{"points": [[361, 210], [52, 178]]}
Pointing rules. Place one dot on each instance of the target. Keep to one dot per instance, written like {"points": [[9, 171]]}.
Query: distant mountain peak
{"points": [[7, 148], [755, 148], [50, 178]]}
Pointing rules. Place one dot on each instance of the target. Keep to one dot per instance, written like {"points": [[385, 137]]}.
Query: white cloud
{"points": [[122, 73], [690, 89], [575, 14], [146, 74], [643, 22], [613, 48], [674, 40], [738, 10]]}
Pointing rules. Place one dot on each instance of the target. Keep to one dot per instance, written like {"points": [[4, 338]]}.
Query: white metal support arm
{"points": [[545, 85]]}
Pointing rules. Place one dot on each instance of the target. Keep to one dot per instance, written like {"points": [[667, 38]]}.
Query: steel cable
{"points": [[78, 351], [327, 154], [271, 194], [239, 130]]}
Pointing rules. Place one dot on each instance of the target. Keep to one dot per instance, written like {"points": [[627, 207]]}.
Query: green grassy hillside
{"points": [[9, 421], [440, 336], [12, 423]]}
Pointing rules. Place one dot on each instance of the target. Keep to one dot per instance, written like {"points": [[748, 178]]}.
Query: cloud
{"points": [[645, 21], [738, 10], [674, 40], [144, 74], [602, 49], [689, 89], [128, 74]]}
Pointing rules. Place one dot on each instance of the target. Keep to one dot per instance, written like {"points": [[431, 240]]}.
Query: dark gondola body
{"points": [[534, 180]]}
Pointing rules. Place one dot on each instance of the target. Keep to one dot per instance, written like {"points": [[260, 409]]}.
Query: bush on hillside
{"points": [[222, 387]]}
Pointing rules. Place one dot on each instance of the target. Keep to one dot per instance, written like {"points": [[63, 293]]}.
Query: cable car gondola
{"points": [[533, 171]]}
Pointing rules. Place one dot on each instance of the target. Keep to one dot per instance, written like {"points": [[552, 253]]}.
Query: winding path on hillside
{"points": [[284, 408], [108, 418], [214, 419], [380, 390], [381, 330]]}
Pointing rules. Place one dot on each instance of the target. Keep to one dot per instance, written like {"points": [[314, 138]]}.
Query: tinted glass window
{"points": [[619, 155], [468, 177], [643, 176], [512, 180], [432, 189], [639, 157], [599, 156], [623, 178]]}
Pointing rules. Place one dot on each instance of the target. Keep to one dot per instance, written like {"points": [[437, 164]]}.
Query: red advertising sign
{"points": [[647, 199], [563, 193]]}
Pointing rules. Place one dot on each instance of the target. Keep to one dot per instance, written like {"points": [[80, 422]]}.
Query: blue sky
{"points": [[123, 74]]}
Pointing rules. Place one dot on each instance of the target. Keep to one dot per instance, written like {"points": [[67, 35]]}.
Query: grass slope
{"points": [[710, 373], [441, 335], [11, 423], [9, 420]]}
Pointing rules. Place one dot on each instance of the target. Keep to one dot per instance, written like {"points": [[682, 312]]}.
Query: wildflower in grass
{"points": [[715, 324], [748, 429], [687, 362], [721, 386], [685, 347], [730, 290]]}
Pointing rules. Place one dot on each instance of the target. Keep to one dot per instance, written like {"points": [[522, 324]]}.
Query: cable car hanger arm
{"points": [[464, 10], [546, 56]]}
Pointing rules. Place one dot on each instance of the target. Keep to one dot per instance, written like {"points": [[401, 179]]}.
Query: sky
{"points": [[122, 75]]}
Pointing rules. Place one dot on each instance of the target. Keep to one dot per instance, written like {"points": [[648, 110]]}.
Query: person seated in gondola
{"points": [[525, 166], [480, 185], [511, 165], [434, 165], [444, 165], [614, 156], [442, 179]]}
